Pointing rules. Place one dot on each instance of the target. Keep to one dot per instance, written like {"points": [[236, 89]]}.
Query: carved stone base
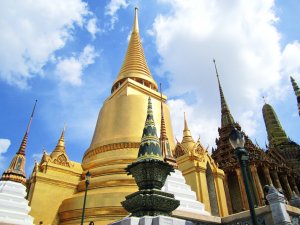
{"points": [[150, 202]]}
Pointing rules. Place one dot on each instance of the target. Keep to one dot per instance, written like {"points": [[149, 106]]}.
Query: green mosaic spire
{"points": [[276, 134], [150, 173], [226, 117], [149, 148], [297, 92]]}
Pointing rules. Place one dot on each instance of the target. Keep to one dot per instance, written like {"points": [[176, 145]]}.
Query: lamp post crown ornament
{"points": [[87, 178]]}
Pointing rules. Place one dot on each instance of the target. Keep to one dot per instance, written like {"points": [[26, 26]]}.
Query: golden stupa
{"points": [[114, 145]]}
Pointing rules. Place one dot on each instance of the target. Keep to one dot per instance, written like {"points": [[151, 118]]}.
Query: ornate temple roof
{"points": [[276, 134], [58, 155], [135, 64], [149, 148], [188, 145], [297, 92], [16, 169], [224, 154]]}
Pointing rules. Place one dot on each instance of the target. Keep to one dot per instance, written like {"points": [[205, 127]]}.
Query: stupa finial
{"points": [[135, 27]]}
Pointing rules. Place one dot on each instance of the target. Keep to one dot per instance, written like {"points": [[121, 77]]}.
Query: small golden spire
{"points": [[60, 147], [187, 136]]}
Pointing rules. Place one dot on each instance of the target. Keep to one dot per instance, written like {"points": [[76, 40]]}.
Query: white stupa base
{"points": [[175, 184], [152, 220], [14, 207]]}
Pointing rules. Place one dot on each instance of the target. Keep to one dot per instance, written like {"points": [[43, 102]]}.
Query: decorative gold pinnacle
{"points": [[60, 147], [135, 64], [163, 140]]}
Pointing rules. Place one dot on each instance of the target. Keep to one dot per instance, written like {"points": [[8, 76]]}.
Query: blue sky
{"points": [[67, 53]]}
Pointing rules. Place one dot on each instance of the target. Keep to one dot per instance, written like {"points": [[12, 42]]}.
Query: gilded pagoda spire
{"points": [[60, 147], [149, 147], [297, 92], [163, 139], [135, 64], [16, 170], [187, 139], [226, 117], [276, 134]]}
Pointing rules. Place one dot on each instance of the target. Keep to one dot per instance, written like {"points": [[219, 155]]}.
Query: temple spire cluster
{"points": [[124, 143]]}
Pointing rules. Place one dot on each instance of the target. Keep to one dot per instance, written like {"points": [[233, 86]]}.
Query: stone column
{"points": [[294, 185], [276, 179], [267, 175], [258, 187], [242, 188], [286, 185], [278, 208], [227, 194]]}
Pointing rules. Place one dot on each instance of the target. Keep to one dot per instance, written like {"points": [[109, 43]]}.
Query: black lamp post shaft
{"points": [[84, 201], [243, 159]]}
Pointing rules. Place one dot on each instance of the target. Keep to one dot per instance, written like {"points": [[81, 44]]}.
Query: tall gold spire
{"points": [[227, 118], [297, 92], [60, 147], [135, 65], [16, 169]]}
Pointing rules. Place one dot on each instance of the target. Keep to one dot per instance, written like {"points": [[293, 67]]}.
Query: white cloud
{"points": [[31, 32], [37, 156], [4, 145], [242, 37], [203, 127], [112, 8], [92, 27], [291, 59], [70, 70]]}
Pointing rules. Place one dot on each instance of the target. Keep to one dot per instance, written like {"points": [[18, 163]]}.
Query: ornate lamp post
{"points": [[237, 141], [87, 182]]}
